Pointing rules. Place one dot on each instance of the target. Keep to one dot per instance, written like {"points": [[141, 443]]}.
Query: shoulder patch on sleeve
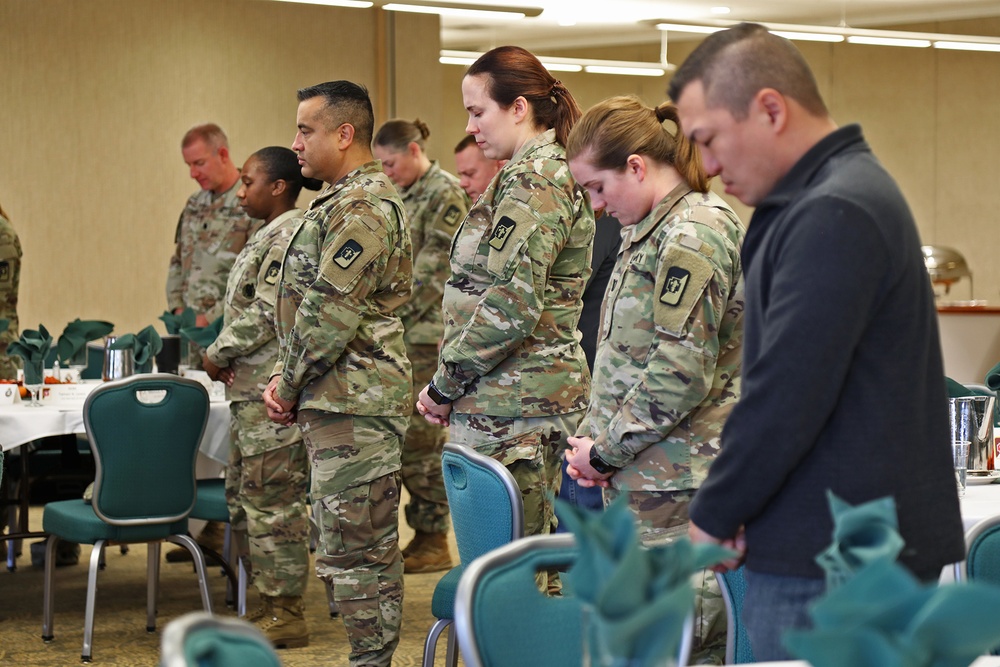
{"points": [[502, 232], [353, 250], [273, 273], [5, 272], [679, 287], [452, 216]]}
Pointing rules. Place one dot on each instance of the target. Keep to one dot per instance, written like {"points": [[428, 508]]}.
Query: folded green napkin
{"points": [[32, 347], [862, 534], [203, 336], [884, 617], [956, 389], [72, 344], [174, 323], [993, 378], [638, 598], [144, 345]]}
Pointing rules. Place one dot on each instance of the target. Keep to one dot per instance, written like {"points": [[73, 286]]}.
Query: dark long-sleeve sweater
{"points": [[843, 386]]}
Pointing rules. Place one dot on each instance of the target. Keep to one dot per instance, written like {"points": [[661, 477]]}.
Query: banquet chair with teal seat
{"points": [[210, 505], [503, 620], [982, 555], [733, 585], [145, 431], [486, 512]]}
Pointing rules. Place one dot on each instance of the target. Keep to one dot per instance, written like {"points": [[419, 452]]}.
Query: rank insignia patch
{"points": [[348, 252], [501, 232], [4, 272], [674, 285], [273, 273], [248, 291], [452, 215]]}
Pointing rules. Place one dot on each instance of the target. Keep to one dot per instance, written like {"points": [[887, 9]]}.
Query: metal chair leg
{"points": [[199, 565], [430, 644], [88, 621], [48, 597], [152, 584]]}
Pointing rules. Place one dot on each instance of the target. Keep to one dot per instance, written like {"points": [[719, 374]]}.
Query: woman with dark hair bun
{"points": [[268, 471], [512, 380], [435, 205]]}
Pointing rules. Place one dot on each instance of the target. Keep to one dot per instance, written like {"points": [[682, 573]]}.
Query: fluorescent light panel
{"points": [[888, 41], [353, 4], [628, 71], [459, 12], [556, 64]]}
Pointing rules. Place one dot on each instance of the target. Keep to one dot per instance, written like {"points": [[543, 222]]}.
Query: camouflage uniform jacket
{"points": [[248, 343], [435, 205], [211, 231], [10, 281], [346, 270], [667, 371], [519, 266]]}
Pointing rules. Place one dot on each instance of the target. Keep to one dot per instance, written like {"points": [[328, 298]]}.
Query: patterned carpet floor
{"points": [[120, 637]]}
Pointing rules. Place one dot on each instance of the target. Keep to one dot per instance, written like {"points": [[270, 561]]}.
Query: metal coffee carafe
{"points": [[118, 364], [971, 419]]}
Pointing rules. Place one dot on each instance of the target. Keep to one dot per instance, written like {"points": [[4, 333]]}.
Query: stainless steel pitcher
{"points": [[118, 364], [971, 419]]}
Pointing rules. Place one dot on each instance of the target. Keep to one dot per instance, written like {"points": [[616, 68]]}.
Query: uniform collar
{"points": [[372, 167], [660, 211]]}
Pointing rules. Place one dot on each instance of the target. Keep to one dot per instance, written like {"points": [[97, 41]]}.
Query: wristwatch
{"points": [[437, 396], [599, 464]]}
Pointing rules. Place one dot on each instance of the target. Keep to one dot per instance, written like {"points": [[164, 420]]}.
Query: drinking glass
{"points": [[960, 459], [34, 377]]}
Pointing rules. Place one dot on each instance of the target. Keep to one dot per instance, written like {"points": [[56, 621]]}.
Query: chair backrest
{"points": [[734, 588], [484, 501], [982, 548], [503, 620], [199, 639], [145, 431]]}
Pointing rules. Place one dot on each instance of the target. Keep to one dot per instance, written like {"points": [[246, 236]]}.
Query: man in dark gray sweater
{"points": [[843, 387]]}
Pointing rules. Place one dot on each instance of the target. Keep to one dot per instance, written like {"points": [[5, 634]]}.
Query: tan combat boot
{"points": [[285, 626], [428, 552], [212, 537], [262, 610]]}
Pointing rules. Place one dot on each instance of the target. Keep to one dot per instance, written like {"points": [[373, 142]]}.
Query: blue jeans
{"points": [[574, 494], [774, 604]]}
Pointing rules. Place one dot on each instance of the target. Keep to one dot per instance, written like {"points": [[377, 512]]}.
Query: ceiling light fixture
{"points": [[557, 64], [353, 4], [852, 35], [496, 12]]}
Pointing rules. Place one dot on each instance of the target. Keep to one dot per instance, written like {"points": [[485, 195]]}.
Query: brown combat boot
{"points": [[428, 552], [212, 537], [285, 625], [263, 609]]}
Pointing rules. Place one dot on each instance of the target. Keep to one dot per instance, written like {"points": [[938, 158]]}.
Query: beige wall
{"points": [[97, 95], [929, 115]]}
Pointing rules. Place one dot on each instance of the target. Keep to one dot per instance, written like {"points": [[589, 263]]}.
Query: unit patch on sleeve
{"points": [[501, 232], [273, 273], [248, 291], [680, 285], [348, 252], [452, 215], [4, 272]]}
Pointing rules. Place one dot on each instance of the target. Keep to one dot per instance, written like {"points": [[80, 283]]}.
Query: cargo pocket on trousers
{"points": [[521, 454], [359, 607]]}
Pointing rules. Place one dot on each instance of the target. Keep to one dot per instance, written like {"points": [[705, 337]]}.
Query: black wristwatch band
{"points": [[599, 464], [436, 395]]}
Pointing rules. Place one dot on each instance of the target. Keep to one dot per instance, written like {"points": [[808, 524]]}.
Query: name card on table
{"points": [[68, 393], [9, 394]]}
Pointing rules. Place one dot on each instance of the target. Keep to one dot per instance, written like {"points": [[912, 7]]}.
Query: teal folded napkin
{"points": [[878, 615], [203, 336], [956, 389], [862, 534], [145, 345], [637, 598], [993, 378], [32, 346], [174, 323], [71, 347], [884, 617]]}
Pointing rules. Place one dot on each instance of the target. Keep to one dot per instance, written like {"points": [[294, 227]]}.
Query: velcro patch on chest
{"points": [[273, 273], [681, 282]]}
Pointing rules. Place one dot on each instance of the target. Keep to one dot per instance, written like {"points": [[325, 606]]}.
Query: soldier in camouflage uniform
{"points": [[435, 205], [667, 371], [342, 372], [512, 379], [211, 231], [267, 476], [10, 281]]}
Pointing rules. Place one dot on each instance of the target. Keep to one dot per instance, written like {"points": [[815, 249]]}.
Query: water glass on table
{"points": [[960, 458]]}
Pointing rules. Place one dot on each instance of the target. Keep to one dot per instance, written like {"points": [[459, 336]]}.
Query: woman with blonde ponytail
{"points": [[667, 371]]}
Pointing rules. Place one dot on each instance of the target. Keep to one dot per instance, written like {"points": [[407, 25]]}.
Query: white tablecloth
{"points": [[20, 424], [980, 502]]}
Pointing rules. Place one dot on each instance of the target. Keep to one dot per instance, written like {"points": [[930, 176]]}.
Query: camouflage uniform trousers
{"points": [[266, 483], [531, 449], [358, 553], [427, 510], [662, 516]]}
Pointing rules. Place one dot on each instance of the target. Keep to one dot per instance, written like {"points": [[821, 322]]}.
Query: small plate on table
{"points": [[977, 477]]}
